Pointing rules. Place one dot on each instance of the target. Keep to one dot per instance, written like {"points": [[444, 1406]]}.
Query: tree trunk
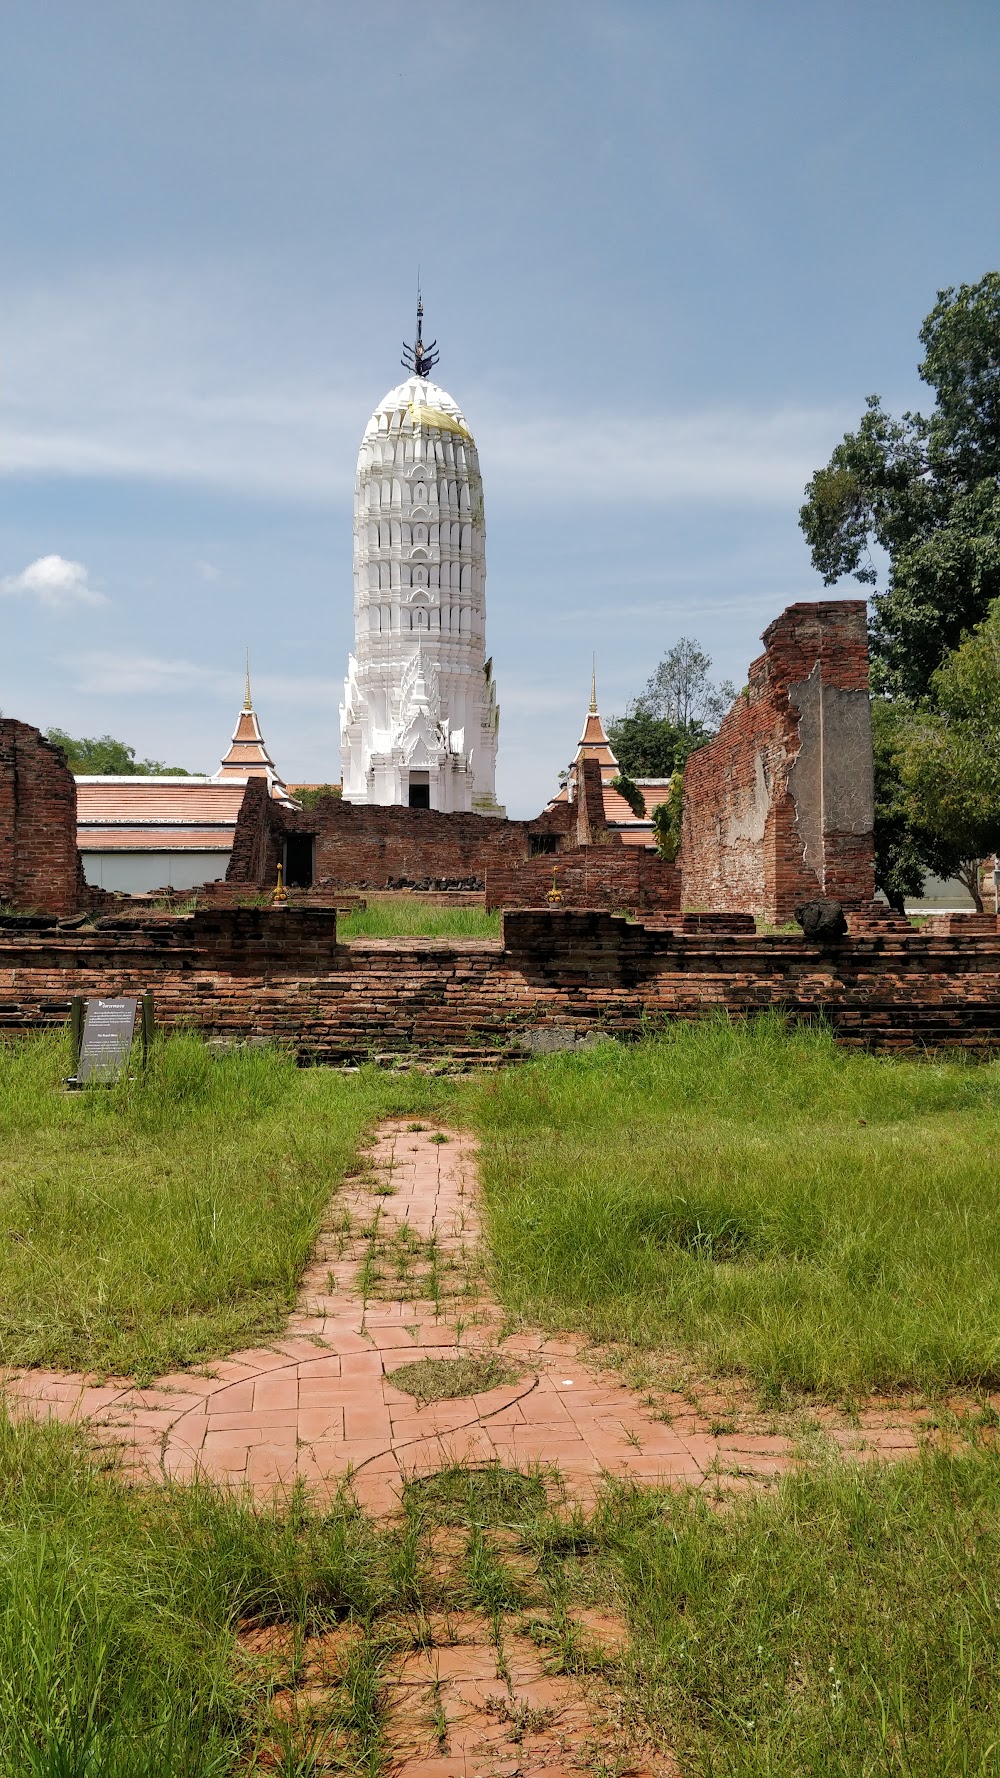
{"points": [[968, 874]]}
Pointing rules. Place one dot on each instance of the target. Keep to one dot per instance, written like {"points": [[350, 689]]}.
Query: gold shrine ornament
{"points": [[435, 416]]}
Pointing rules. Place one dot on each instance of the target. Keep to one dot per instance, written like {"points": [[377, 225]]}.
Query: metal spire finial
{"points": [[247, 700], [593, 686], [419, 359]]}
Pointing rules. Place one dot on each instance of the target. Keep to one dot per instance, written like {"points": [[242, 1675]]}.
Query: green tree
{"points": [[102, 756], [681, 691], [308, 796], [679, 710], [904, 848], [648, 746], [629, 789], [926, 491], [949, 753], [666, 819]]}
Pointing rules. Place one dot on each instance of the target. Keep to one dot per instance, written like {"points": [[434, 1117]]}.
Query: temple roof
{"points": [[248, 756], [594, 743], [124, 814]]}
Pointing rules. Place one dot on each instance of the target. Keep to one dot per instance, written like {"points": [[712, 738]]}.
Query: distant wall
{"points": [[138, 872], [779, 808], [611, 876], [40, 867], [371, 846]]}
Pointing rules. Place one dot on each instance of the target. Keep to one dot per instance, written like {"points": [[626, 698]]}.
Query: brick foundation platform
{"points": [[281, 975]]}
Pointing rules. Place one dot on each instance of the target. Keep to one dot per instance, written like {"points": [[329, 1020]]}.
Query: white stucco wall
{"points": [[135, 873]]}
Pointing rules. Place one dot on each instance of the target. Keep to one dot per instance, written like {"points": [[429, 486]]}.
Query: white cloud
{"points": [[607, 457], [106, 673], [143, 376], [55, 582]]}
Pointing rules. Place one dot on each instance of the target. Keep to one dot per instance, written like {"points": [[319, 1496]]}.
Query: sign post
{"points": [[103, 1033]]}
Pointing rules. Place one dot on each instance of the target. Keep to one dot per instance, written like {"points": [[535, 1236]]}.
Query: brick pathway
{"points": [[478, 1699], [321, 1404]]}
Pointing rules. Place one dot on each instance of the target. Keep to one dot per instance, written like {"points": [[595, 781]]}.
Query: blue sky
{"points": [[667, 250]]}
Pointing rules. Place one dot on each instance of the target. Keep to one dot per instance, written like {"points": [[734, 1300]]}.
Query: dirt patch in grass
{"points": [[451, 1379]]}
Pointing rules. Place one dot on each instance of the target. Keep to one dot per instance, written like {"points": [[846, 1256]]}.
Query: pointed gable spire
{"points": [[248, 756], [594, 743]]}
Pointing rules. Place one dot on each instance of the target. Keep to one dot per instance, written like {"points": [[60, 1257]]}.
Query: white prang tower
{"points": [[419, 721]]}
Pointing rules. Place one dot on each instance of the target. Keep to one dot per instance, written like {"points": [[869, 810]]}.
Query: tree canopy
{"points": [[948, 752], [102, 756], [926, 492], [679, 710]]}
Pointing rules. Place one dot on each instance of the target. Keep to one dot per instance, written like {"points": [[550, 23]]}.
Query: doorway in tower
{"points": [[299, 860], [420, 790]]}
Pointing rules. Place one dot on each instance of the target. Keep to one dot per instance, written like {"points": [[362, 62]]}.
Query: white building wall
{"points": [[419, 703], [136, 873]]}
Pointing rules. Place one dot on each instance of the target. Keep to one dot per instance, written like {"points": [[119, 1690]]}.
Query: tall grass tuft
{"points": [[118, 1607], [168, 1218], [819, 1219], [393, 917], [846, 1625]]}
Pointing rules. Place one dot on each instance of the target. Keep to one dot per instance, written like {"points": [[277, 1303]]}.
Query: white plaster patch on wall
{"points": [[749, 820]]}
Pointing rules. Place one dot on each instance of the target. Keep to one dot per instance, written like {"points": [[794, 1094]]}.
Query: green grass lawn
{"points": [[816, 1219], [168, 1219], [845, 1624], [767, 1204], [390, 916]]}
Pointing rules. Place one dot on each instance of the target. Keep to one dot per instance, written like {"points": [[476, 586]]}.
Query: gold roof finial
{"points": [[247, 700], [593, 686]]}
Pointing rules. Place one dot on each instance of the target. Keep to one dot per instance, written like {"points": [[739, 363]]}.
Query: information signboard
{"points": [[106, 1040]]}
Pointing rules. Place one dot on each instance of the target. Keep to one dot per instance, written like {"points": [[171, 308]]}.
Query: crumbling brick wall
{"points": [[257, 839], [282, 975], [779, 808], [612, 876], [370, 846], [40, 866], [591, 823]]}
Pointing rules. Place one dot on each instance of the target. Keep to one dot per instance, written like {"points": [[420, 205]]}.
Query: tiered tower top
{"points": [[248, 756]]}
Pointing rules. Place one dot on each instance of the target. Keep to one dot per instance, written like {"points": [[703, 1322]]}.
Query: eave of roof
{"points": [[152, 840]]}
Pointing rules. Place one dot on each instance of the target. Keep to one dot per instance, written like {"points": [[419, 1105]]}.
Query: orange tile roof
{"points": [[155, 839], [616, 808], [157, 802]]}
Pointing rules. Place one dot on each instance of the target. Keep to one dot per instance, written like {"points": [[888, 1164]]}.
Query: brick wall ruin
{"points": [[40, 867], [359, 846], [281, 975], [779, 808], [611, 876]]}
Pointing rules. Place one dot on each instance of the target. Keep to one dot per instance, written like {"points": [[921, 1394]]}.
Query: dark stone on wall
{"points": [[609, 876], [822, 919]]}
